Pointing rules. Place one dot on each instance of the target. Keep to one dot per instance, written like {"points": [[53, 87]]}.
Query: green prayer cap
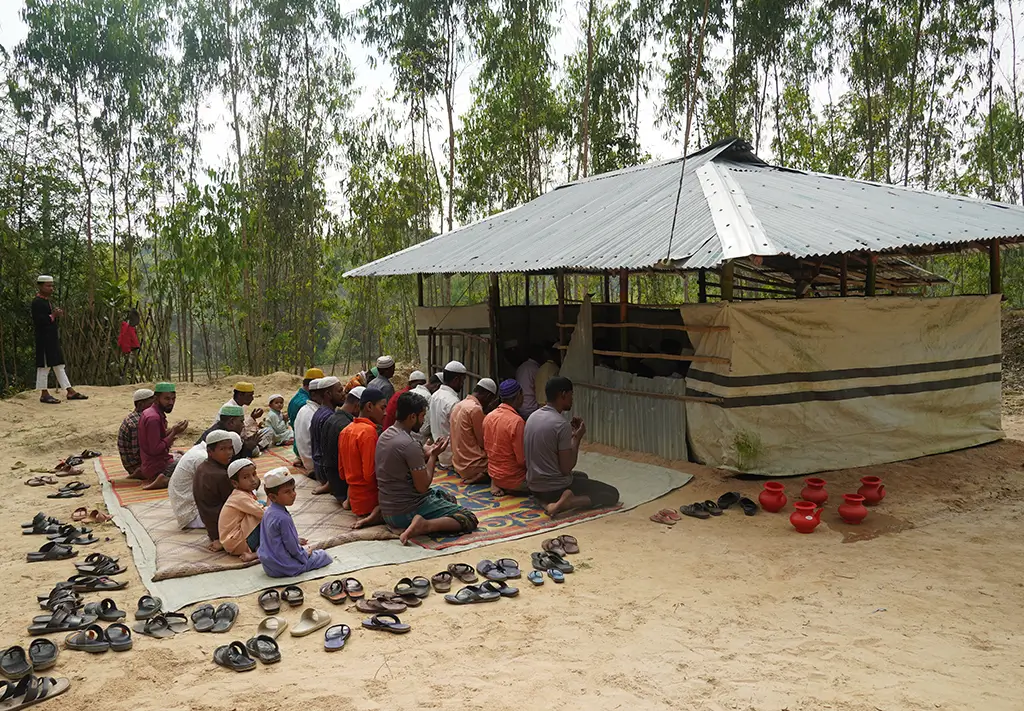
{"points": [[163, 388], [232, 411]]}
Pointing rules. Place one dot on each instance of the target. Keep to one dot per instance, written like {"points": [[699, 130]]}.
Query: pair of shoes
{"points": [[710, 508], [242, 657], [270, 600], [337, 591]]}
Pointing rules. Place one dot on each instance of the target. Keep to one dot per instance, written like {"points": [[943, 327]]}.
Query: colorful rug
{"points": [[130, 491], [499, 517]]}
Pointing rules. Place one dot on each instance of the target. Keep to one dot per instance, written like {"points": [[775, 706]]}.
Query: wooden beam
{"points": [[653, 327], [869, 278], [726, 281], [419, 289], [995, 272], [664, 356], [560, 285], [702, 286], [607, 288]]}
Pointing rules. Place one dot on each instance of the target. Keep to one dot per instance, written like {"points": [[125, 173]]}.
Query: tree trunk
{"points": [[1019, 127], [585, 117], [991, 123], [912, 99], [87, 187]]}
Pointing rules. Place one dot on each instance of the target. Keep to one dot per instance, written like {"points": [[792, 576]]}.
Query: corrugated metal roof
{"points": [[732, 205]]}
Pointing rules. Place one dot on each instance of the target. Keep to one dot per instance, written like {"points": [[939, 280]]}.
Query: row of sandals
{"points": [[707, 509]]}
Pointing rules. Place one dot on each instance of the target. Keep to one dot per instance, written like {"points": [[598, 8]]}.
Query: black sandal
{"points": [[748, 506], [264, 648], [386, 622], [472, 594], [712, 508], [234, 656], [204, 618], [43, 654], [51, 551], [48, 400], [694, 510], [14, 663], [729, 499]]}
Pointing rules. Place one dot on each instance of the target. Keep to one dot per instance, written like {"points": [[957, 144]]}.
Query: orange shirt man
{"points": [[357, 446], [503, 442], [467, 433]]}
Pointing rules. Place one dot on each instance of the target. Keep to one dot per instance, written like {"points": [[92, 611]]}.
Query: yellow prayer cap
{"points": [[313, 373], [244, 387]]}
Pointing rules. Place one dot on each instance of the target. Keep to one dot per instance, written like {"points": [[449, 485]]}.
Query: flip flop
{"points": [[176, 621], [377, 605], [66, 494], [105, 568], [69, 471], [80, 514], [546, 561], [311, 621], [695, 510], [35, 481], [119, 637], [472, 594], [336, 636], [51, 551], [748, 505], [536, 577], [730, 498], [293, 595], [75, 540], [97, 516], [569, 544], [69, 531], [97, 558], [62, 620], [91, 639], [224, 618], [33, 690], [264, 648], [43, 654], [105, 610], [75, 486], [15, 663], [89, 453], [148, 606], [557, 575], [463, 572], [502, 588], [270, 601], [712, 508], [405, 588], [234, 656], [510, 567], [78, 396], [442, 581], [553, 545], [271, 627], [48, 400], [386, 622], [490, 570], [421, 586], [353, 588], [409, 600], [664, 517], [203, 618], [334, 591], [155, 626], [91, 583]]}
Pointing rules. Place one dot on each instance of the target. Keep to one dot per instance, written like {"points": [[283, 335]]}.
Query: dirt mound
{"points": [[1013, 350]]}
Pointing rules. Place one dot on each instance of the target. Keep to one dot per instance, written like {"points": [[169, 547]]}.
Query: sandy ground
{"points": [[917, 609]]}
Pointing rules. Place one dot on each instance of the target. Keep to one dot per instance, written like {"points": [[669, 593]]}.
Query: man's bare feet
{"points": [[249, 557], [214, 546], [346, 505], [416, 527], [298, 464], [159, 483], [560, 505], [322, 489], [497, 491]]}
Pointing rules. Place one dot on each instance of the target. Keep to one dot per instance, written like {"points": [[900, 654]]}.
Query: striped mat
{"points": [[130, 491]]}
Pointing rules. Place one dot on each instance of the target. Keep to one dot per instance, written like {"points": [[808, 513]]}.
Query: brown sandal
{"points": [[463, 572], [442, 582], [664, 516], [553, 545]]}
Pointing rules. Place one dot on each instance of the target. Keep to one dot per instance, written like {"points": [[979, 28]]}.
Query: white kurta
{"points": [[303, 437], [179, 488], [424, 434], [441, 405]]}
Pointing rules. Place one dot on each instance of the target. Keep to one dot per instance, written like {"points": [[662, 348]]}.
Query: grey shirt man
{"points": [[384, 385], [547, 433], [396, 457]]}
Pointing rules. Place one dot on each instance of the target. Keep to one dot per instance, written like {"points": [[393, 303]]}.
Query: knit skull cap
{"points": [[313, 373], [455, 367], [385, 361], [275, 396], [509, 388], [44, 279], [488, 385], [231, 411], [372, 395], [217, 436], [277, 477], [238, 465], [142, 394], [417, 375], [244, 387], [163, 388], [327, 382], [314, 384]]}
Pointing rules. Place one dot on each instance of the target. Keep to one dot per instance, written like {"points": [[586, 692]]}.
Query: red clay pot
{"points": [[814, 491], [773, 498], [806, 517], [853, 511], [873, 490]]}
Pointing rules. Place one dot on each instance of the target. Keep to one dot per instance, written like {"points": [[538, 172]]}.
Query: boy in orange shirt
{"points": [[503, 442], [357, 445]]}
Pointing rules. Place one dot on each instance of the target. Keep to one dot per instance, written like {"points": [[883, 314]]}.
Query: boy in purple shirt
{"points": [[282, 553]]}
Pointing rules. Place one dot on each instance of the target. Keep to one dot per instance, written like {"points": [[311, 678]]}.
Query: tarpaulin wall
{"points": [[819, 384]]}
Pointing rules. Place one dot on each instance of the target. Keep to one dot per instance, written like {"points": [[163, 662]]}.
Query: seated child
{"points": [[240, 518], [277, 420], [281, 551]]}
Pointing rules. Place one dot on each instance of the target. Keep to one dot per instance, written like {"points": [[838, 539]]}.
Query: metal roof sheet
{"points": [[732, 205]]}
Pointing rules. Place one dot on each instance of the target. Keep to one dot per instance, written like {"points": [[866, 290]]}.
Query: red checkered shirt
{"points": [[128, 442]]}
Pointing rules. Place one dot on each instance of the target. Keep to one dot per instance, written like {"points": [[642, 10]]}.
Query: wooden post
{"points": [[995, 274], [419, 289], [607, 288], [623, 309], [702, 286], [844, 275], [726, 281], [526, 280], [560, 286], [869, 278], [495, 304]]}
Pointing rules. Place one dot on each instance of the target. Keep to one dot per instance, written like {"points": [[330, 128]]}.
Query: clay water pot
{"points": [[853, 511], [773, 498], [806, 517], [814, 491], [873, 490]]}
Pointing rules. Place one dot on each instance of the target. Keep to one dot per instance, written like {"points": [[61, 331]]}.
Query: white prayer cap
{"points": [[325, 383], [455, 367], [417, 375], [385, 362], [142, 394], [356, 392], [439, 376], [221, 435], [314, 384], [488, 385], [273, 397], [276, 477], [44, 279], [237, 466]]}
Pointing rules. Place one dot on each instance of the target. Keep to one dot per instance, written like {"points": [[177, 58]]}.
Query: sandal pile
{"points": [[707, 509]]}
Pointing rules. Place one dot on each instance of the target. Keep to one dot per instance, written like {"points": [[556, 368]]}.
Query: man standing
{"points": [[301, 424], [128, 434], [467, 433], [155, 439], [526, 376], [385, 371], [243, 395], [299, 399], [408, 502], [545, 373], [442, 403], [48, 352], [330, 435], [356, 446], [416, 379], [331, 395], [503, 442], [552, 447]]}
